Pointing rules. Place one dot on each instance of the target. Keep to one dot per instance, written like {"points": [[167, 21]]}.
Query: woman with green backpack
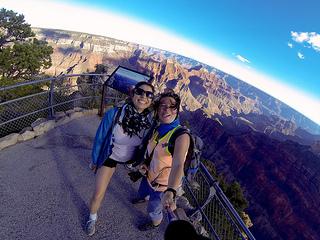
{"points": [[164, 170]]}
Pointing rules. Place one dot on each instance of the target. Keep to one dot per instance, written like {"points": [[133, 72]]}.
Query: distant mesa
{"points": [[225, 94]]}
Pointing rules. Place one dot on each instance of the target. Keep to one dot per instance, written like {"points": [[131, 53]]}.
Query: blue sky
{"points": [[259, 31], [275, 43]]}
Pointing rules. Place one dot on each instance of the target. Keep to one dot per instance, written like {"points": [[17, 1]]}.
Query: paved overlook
{"points": [[45, 187]]}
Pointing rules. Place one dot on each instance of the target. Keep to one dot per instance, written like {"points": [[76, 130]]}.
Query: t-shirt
{"points": [[123, 145]]}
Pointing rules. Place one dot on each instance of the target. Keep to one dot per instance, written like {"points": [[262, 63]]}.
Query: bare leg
{"points": [[103, 177]]}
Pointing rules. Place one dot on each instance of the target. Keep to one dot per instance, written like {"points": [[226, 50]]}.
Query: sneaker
{"points": [[147, 226], [91, 227], [137, 200]]}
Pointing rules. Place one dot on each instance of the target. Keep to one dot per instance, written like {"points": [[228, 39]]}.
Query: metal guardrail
{"points": [[218, 217], [65, 92], [48, 96]]}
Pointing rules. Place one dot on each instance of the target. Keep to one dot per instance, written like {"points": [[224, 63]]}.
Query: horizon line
{"points": [[302, 102]]}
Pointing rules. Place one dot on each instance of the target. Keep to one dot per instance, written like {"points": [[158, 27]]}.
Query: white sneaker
{"points": [[91, 227]]}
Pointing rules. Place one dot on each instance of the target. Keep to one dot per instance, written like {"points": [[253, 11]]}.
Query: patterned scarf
{"points": [[134, 122]]}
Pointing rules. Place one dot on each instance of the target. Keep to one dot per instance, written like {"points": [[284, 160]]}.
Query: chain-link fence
{"points": [[19, 108], [212, 209]]}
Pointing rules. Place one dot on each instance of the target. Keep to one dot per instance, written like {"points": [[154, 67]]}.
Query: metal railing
{"points": [[44, 98], [217, 215], [23, 103]]}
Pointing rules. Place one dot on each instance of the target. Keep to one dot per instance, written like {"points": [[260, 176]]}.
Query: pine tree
{"points": [[21, 55]]}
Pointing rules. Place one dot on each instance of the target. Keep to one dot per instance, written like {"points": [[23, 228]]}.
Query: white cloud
{"points": [[311, 39], [290, 45], [300, 37], [315, 41], [300, 55], [242, 59], [58, 15]]}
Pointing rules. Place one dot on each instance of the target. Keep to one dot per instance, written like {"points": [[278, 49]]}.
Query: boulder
{"points": [[59, 115], [8, 140], [75, 115], [26, 136], [40, 127]]}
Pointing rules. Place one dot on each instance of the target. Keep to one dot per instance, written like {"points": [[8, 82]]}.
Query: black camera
{"points": [[135, 176]]}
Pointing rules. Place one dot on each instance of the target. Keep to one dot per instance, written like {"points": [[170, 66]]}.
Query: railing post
{"points": [[102, 101], [51, 98]]}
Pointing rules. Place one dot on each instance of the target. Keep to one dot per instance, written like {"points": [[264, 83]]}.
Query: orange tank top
{"points": [[161, 162]]}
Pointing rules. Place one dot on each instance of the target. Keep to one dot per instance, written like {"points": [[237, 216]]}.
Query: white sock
{"points": [[93, 216]]}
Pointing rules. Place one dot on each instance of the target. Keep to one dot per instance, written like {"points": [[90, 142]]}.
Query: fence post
{"points": [[51, 98], [102, 101]]}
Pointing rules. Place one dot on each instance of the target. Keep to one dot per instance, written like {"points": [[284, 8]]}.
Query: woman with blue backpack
{"points": [[121, 132], [164, 169]]}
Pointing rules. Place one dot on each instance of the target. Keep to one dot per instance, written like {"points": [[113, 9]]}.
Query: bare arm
{"points": [[179, 156]]}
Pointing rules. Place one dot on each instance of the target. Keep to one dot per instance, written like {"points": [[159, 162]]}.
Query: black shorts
{"points": [[112, 163]]}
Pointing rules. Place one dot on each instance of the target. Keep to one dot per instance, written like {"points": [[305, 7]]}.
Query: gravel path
{"points": [[45, 187]]}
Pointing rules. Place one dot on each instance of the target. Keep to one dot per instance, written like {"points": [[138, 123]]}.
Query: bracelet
{"points": [[173, 191]]}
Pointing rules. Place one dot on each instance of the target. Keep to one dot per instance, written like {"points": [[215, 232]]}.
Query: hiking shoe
{"points": [[147, 226], [91, 227], [137, 200]]}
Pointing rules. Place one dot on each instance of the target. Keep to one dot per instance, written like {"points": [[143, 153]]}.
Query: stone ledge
{"points": [[42, 125]]}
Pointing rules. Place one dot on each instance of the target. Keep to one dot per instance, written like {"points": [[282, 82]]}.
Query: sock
{"points": [[93, 216]]}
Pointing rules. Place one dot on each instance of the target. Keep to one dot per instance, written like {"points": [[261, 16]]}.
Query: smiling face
{"points": [[167, 111], [142, 97]]}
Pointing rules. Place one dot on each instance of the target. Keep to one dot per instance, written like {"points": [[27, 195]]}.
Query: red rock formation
{"points": [[281, 179]]}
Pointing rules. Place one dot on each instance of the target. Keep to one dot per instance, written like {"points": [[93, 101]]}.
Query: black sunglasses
{"points": [[140, 92]]}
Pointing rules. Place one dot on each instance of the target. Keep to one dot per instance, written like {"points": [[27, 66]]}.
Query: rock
{"points": [[70, 112], [8, 140], [183, 202], [38, 122], [75, 115], [40, 127], [246, 219], [25, 129], [26, 136], [59, 115]]}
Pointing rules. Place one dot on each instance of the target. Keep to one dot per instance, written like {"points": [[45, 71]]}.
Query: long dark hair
{"points": [[139, 84]]}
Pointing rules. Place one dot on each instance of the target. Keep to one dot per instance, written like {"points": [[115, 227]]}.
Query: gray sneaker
{"points": [[91, 227]]}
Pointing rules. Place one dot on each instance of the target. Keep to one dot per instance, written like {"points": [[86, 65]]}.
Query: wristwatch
{"points": [[173, 191]]}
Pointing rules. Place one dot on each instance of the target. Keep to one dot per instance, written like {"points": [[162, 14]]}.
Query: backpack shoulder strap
{"points": [[178, 132]]}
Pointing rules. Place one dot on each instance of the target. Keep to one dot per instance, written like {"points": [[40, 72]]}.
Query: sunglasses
{"points": [[140, 92], [165, 107]]}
